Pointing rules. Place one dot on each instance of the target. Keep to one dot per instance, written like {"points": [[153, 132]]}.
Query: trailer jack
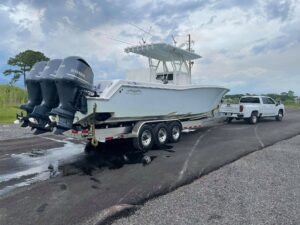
{"points": [[94, 141]]}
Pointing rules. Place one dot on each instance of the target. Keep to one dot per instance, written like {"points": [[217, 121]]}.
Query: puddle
{"points": [[37, 165]]}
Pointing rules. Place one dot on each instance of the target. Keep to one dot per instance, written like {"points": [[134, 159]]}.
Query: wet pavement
{"points": [[50, 180], [23, 169]]}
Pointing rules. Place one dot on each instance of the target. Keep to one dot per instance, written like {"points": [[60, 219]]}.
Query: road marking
{"points": [[186, 163], [126, 195], [258, 137], [105, 214], [52, 139]]}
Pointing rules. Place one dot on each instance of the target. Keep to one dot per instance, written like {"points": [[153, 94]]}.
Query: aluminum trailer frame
{"points": [[132, 129]]}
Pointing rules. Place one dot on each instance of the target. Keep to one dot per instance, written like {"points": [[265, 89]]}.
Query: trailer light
{"points": [[109, 138], [85, 132]]}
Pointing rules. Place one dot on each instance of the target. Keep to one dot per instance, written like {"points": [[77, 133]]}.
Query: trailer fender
{"points": [[137, 127]]}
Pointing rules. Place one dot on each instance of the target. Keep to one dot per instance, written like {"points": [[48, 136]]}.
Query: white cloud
{"points": [[225, 37], [26, 21]]}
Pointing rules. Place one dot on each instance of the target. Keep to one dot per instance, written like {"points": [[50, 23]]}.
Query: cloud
{"points": [[278, 9], [244, 4], [243, 43]]}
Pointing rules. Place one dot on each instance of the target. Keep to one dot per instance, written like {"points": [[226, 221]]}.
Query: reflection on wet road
{"points": [[37, 165]]}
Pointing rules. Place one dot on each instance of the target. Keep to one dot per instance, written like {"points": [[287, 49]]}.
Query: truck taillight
{"points": [[241, 108]]}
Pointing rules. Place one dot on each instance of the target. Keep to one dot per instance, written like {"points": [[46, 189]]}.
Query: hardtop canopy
{"points": [[163, 52]]}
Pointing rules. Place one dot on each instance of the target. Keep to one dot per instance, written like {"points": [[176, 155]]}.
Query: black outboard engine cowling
{"points": [[74, 76], [49, 94], [33, 87]]}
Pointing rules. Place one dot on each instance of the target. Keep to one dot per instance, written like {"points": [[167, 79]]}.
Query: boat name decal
{"points": [[133, 91]]}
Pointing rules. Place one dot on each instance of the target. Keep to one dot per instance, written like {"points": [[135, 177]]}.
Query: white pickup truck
{"points": [[252, 108]]}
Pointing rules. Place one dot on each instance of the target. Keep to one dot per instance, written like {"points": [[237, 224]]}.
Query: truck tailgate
{"points": [[229, 108]]}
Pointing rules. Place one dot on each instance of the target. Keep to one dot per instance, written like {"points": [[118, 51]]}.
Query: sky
{"points": [[249, 46]]}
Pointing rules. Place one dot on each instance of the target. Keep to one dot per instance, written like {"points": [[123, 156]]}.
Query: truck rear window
{"points": [[249, 100]]}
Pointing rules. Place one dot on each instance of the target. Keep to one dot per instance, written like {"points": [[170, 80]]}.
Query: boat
{"points": [[165, 91], [162, 93]]}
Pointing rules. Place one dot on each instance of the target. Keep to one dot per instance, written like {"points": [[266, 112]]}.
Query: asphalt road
{"points": [[261, 188], [62, 185]]}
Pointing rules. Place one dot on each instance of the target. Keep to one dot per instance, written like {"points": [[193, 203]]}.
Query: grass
{"points": [[292, 105], [8, 114], [11, 95], [10, 99]]}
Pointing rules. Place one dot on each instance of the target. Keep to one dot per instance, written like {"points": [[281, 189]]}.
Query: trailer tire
{"points": [[161, 134], [145, 139], [175, 129]]}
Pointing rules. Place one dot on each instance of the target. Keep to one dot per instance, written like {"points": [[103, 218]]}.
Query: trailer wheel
{"points": [[145, 139], [160, 134], [175, 132]]}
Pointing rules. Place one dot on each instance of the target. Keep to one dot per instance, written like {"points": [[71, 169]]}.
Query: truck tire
{"points": [[161, 134], [253, 118], [175, 132], [279, 116], [145, 139]]}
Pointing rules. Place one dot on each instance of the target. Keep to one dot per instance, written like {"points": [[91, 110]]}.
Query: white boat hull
{"points": [[134, 100]]}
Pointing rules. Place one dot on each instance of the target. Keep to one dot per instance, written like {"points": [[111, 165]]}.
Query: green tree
{"points": [[291, 93], [22, 63]]}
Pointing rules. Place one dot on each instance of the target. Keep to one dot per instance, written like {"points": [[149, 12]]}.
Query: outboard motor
{"points": [[74, 77], [49, 95], [34, 89]]}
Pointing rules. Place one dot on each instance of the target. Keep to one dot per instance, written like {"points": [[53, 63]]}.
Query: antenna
{"points": [[175, 42], [115, 39], [147, 32]]}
